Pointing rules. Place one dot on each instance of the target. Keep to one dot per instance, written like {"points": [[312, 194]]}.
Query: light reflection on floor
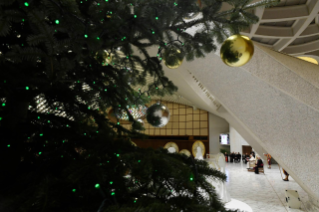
{"points": [[263, 192], [236, 204]]}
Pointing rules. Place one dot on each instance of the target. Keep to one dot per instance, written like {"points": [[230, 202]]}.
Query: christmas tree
{"points": [[63, 64]]}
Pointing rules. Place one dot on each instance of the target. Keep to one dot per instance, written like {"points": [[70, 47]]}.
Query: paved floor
{"points": [[262, 192]]}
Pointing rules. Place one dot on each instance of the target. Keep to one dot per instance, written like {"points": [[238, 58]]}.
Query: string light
{"points": [[26, 4], [97, 186], [57, 21], [73, 190]]}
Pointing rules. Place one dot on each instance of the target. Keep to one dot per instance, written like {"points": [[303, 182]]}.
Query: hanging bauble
{"points": [[106, 57], [173, 57], [237, 50], [157, 115]]}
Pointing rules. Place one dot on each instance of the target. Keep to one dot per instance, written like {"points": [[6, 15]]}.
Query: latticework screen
{"points": [[184, 121]]}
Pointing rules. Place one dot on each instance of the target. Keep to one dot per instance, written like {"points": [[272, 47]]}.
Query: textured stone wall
{"points": [[271, 102], [217, 126]]}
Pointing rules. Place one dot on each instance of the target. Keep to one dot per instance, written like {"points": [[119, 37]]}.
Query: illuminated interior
{"points": [[136, 111]]}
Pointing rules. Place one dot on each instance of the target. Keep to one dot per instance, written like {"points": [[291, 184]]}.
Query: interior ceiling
{"points": [[290, 27]]}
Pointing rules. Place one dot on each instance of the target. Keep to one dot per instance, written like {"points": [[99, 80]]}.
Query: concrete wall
{"points": [[236, 141], [217, 126], [275, 105]]}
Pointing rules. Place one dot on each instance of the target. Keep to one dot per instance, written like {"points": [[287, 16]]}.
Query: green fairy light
{"points": [[27, 88], [111, 182], [118, 123], [40, 153], [89, 108], [153, 32], [73, 190], [139, 161], [57, 21], [0, 118], [3, 104], [191, 179], [135, 16], [41, 135], [98, 38], [97, 186], [97, 131], [38, 117], [134, 201], [8, 145], [86, 36], [61, 156], [48, 121], [113, 193], [63, 141], [84, 133], [23, 19], [26, 4], [156, 18], [117, 155]]}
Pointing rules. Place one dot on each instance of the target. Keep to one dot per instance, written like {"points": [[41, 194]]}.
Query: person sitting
{"points": [[251, 162], [253, 153], [238, 156], [259, 164], [231, 157], [235, 157]]}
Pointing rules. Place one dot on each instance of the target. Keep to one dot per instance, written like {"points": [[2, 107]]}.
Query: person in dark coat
{"points": [[231, 157], [253, 153], [238, 156], [258, 165]]}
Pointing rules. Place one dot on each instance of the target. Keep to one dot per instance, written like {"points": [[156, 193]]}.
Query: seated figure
{"points": [[259, 164], [251, 162]]}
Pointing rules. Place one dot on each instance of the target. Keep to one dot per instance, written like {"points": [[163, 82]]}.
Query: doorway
{"points": [[246, 149]]}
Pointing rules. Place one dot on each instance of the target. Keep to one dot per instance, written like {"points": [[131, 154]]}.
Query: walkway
{"points": [[263, 192]]}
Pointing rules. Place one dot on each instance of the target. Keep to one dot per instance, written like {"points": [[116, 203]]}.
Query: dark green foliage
{"points": [[54, 91]]}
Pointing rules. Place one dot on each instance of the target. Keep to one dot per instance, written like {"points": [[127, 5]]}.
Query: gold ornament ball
{"points": [[173, 57], [237, 50]]}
